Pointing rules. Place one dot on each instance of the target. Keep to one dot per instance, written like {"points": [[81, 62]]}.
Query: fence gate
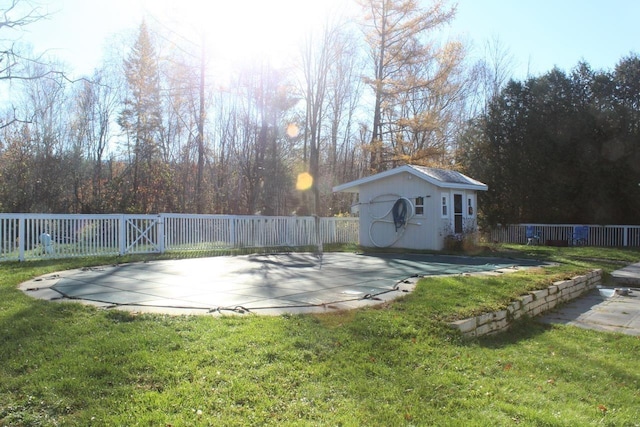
{"points": [[142, 234], [42, 236]]}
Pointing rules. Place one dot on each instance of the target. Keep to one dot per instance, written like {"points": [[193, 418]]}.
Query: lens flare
{"points": [[305, 181], [293, 130]]}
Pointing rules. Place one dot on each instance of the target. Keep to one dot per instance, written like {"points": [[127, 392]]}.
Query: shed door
{"points": [[457, 213]]}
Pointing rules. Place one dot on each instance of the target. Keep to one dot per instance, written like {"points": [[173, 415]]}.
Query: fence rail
{"points": [[37, 236], [570, 234]]}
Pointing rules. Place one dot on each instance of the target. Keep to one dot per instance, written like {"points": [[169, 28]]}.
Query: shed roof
{"points": [[443, 178]]}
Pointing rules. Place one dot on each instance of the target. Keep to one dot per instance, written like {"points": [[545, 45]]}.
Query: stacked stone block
{"points": [[532, 304]]}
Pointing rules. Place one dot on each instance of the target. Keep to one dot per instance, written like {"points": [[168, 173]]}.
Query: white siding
{"points": [[377, 199], [422, 232]]}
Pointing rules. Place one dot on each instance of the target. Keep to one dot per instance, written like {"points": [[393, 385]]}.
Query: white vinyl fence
{"points": [[37, 236], [572, 234]]}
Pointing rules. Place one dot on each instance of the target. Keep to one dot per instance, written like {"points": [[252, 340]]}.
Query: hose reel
{"points": [[399, 212], [399, 215]]}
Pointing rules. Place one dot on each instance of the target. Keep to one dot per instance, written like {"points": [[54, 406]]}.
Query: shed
{"points": [[414, 207]]}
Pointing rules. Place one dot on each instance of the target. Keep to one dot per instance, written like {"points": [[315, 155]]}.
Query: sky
{"points": [[539, 34], [542, 34]]}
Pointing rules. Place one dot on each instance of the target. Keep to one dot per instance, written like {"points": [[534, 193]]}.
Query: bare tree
{"points": [[187, 94], [95, 110], [179, 131], [345, 89], [225, 137], [499, 63], [331, 70], [488, 75], [16, 64], [16, 168], [16, 15], [45, 101], [318, 57]]}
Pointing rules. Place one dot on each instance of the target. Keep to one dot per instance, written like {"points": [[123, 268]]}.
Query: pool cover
{"points": [[266, 283]]}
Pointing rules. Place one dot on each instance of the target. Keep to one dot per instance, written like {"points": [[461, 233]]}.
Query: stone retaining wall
{"points": [[532, 304]]}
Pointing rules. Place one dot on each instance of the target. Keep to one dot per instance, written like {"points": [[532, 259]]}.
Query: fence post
{"points": [[161, 232], [232, 231], [122, 234], [21, 237], [316, 227], [625, 237]]}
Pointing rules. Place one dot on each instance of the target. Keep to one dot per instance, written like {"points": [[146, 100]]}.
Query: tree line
{"points": [[158, 130], [560, 148], [157, 127]]}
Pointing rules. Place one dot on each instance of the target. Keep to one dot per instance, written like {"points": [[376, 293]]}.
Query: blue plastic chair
{"points": [[580, 235], [533, 237]]}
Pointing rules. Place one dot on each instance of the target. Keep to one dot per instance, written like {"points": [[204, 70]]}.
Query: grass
{"points": [[397, 364]]}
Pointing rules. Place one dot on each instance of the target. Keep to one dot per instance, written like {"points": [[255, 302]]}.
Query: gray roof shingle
{"points": [[444, 178]]}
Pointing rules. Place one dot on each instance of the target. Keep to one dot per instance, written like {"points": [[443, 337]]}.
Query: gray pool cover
{"points": [[265, 284]]}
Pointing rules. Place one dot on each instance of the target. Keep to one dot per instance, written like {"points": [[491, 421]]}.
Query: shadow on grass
{"points": [[524, 329], [574, 353]]}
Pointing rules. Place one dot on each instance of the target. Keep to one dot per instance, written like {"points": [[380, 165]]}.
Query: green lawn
{"points": [[398, 364]]}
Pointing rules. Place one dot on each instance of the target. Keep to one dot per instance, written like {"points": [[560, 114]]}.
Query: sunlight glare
{"points": [[305, 181], [241, 30]]}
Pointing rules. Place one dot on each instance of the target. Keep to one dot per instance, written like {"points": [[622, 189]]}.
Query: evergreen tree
{"points": [[147, 175], [560, 148]]}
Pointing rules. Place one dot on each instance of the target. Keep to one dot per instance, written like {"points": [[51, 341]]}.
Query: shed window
{"points": [[419, 205], [470, 206], [445, 205]]}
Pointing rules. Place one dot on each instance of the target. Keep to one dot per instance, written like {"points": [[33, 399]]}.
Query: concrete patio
{"points": [[604, 309]]}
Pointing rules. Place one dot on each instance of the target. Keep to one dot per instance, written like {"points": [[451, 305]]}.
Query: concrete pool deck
{"points": [[605, 311], [618, 313], [263, 284]]}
